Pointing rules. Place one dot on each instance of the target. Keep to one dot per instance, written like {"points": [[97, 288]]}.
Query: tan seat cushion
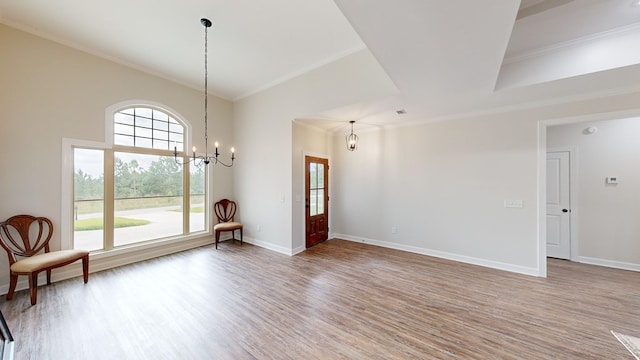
{"points": [[227, 226], [47, 260]]}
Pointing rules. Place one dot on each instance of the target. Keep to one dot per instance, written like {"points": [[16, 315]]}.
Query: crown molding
{"points": [[532, 54]]}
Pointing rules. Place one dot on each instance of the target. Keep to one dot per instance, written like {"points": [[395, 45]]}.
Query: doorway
{"points": [[316, 200]]}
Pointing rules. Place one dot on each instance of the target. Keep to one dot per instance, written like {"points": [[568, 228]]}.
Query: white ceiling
{"points": [[447, 57], [253, 44]]}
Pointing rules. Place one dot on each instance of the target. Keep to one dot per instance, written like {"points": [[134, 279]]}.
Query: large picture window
{"points": [[136, 192]]}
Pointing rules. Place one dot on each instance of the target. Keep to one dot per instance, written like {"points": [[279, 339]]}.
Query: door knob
{"points": [[565, 210]]}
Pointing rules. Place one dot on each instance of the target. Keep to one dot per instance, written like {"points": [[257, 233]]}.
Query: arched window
{"points": [[134, 190], [148, 128]]}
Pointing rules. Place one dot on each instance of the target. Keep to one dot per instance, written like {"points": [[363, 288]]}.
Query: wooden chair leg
{"points": [[233, 236], [240, 236], [33, 287], [217, 238], [13, 280], [85, 268], [49, 277]]}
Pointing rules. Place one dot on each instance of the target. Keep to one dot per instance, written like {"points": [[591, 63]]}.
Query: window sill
{"points": [[106, 259]]}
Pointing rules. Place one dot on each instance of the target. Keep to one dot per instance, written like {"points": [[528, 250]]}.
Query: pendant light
{"points": [[352, 139]]}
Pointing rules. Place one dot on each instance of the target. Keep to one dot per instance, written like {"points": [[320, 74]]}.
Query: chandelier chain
{"points": [[206, 158], [206, 93]]}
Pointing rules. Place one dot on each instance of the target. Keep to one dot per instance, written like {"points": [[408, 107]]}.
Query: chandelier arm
{"points": [[180, 162], [223, 164], [197, 161]]}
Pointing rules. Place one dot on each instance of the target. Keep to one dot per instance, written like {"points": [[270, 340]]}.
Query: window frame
{"points": [[67, 193]]}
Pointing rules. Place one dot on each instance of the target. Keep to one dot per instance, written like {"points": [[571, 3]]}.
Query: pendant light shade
{"points": [[352, 139]]}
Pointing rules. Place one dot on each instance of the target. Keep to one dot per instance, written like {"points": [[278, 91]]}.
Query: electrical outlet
{"points": [[394, 230]]}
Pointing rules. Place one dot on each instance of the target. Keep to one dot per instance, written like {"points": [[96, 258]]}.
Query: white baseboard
{"points": [[270, 246], [298, 250], [444, 255], [609, 263]]}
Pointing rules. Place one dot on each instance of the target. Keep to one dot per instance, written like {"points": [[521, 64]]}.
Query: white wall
{"points": [[443, 185], [607, 215], [49, 92], [264, 179], [310, 141]]}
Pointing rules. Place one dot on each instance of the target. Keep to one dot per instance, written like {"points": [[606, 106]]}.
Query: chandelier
{"points": [[352, 139], [206, 158]]}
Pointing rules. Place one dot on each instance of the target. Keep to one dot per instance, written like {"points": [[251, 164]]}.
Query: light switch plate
{"points": [[514, 204]]}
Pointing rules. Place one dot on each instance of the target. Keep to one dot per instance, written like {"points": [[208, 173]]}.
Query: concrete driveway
{"points": [[163, 222]]}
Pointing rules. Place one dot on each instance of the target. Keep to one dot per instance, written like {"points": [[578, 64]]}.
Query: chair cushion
{"points": [[47, 260], [227, 226]]}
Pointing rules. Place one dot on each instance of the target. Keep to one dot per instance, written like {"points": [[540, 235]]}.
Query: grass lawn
{"points": [[96, 223]]}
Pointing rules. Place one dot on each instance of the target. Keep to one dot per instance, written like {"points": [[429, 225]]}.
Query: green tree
{"points": [[124, 178], [163, 178], [86, 187], [197, 180]]}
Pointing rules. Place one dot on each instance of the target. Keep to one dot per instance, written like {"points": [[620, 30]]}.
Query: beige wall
{"points": [[605, 215], [49, 92], [264, 179], [307, 141], [443, 185]]}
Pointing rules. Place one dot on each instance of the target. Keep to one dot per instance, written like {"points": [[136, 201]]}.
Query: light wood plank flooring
{"points": [[338, 300]]}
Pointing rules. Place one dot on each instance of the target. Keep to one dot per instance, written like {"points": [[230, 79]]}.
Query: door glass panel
{"points": [[88, 202], [313, 175], [313, 202], [320, 201], [320, 184], [316, 188], [148, 197]]}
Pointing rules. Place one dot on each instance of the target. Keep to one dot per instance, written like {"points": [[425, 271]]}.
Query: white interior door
{"points": [[558, 205]]}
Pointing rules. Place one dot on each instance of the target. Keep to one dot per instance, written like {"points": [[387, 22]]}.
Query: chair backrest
{"points": [[25, 235], [225, 210]]}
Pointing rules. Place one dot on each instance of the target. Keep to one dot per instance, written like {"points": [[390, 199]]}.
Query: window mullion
{"points": [[109, 202], [186, 197]]}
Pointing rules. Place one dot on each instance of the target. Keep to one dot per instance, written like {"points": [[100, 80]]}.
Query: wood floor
{"points": [[338, 300]]}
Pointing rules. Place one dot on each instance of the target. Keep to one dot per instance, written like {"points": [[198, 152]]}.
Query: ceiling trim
{"points": [[547, 50], [521, 106], [301, 71], [528, 8]]}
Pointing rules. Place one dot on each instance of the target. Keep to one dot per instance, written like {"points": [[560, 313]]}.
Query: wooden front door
{"points": [[316, 200]]}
